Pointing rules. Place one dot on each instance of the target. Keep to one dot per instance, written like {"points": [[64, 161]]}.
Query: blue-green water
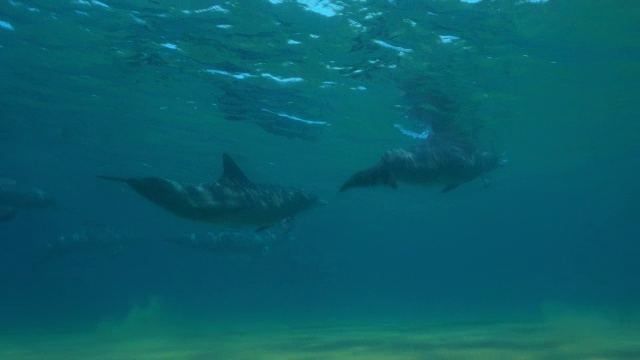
{"points": [[303, 94]]}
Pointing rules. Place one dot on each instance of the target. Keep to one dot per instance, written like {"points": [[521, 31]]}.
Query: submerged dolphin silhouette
{"points": [[14, 201], [233, 200], [7, 213], [433, 162], [237, 243]]}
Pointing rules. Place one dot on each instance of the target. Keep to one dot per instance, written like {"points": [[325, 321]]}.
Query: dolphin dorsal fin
{"points": [[231, 171]]}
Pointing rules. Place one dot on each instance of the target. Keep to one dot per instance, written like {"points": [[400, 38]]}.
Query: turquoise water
{"points": [[542, 263]]}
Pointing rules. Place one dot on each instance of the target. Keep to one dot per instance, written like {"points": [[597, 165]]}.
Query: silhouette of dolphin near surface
{"points": [[233, 200], [433, 162], [238, 243]]}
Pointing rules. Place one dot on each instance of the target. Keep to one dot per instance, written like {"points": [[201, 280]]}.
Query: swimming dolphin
{"points": [[233, 200], [433, 162], [13, 201], [237, 243], [89, 238]]}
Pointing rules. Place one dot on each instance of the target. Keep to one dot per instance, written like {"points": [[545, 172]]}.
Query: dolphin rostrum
{"points": [[432, 162], [233, 200]]}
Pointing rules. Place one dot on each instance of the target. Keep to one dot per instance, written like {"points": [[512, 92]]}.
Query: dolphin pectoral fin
{"points": [[113, 178], [450, 187]]}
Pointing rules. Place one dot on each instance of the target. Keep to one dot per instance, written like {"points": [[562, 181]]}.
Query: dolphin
{"points": [[433, 162], [14, 201], [90, 238], [236, 243], [233, 200]]}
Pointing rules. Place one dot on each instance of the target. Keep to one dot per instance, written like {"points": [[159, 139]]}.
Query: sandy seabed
{"points": [[586, 336]]}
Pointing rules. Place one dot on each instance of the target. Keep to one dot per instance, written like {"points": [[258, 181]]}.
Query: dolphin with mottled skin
{"points": [[432, 162], [233, 200]]}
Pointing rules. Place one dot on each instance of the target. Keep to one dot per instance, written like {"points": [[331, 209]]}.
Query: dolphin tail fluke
{"points": [[113, 178]]}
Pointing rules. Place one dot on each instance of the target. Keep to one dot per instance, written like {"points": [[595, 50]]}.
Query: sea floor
{"points": [[575, 336]]}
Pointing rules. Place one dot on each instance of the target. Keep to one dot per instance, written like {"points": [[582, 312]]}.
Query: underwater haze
{"points": [[536, 259]]}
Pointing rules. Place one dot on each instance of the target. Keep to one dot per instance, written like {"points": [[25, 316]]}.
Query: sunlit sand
{"points": [[146, 334]]}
